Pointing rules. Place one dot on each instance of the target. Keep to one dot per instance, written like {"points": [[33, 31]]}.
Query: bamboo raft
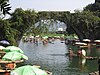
{"points": [[94, 73], [4, 71], [87, 57], [91, 58], [17, 61]]}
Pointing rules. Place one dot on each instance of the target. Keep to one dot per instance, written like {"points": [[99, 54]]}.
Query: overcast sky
{"points": [[50, 5]]}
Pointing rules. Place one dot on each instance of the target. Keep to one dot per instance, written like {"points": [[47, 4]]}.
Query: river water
{"points": [[52, 57]]}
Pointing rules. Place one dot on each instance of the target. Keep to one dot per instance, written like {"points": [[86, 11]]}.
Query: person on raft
{"points": [[81, 53]]}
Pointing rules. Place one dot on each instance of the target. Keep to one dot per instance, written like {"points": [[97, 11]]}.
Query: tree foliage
{"points": [[22, 20], [6, 32], [85, 24], [93, 7]]}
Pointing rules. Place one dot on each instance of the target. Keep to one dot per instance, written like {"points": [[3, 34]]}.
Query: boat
{"points": [[4, 71], [91, 58], [86, 57], [2, 53], [86, 46], [81, 43], [94, 73], [5, 61]]}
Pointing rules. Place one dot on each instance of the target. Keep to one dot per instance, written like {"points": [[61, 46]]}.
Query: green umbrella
{"points": [[12, 48], [2, 47], [28, 70], [45, 37], [70, 37], [13, 56]]}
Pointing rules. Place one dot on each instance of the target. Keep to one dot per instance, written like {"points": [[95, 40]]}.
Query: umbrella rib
{"points": [[34, 72], [12, 55]]}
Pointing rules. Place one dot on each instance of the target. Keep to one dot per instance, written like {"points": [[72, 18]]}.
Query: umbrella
{"points": [[13, 56], [28, 70], [2, 47], [86, 40], [45, 37], [80, 43], [12, 48], [96, 40], [4, 43], [70, 37]]}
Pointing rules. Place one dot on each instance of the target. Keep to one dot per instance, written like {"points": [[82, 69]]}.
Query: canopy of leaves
{"points": [[93, 7], [85, 24]]}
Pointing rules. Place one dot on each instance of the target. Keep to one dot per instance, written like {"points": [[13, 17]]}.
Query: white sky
{"points": [[50, 5]]}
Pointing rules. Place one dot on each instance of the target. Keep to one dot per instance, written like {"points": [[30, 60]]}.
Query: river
{"points": [[52, 57]]}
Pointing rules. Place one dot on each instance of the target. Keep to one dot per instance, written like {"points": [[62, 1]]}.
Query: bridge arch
{"points": [[64, 17], [30, 18]]}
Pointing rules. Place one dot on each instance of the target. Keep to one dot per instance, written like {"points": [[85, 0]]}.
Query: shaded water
{"points": [[52, 57]]}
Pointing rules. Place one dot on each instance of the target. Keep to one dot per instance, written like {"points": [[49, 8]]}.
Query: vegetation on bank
{"points": [[85, 24], [48, 35], [52, 34]]}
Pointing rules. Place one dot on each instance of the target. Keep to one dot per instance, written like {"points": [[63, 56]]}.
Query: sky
{"points": [[50, 5]]}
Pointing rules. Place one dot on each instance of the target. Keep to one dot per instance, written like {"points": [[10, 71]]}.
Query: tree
{"points": [[93, 7], [87, 24], [6, 32], [22, 20]]}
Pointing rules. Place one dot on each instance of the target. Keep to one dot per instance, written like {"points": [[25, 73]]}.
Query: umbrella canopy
{"points": [[70, 37], [28, 70], [2, 47], [96, 40], [13, 56], [45, 37], [86, 40], [12, 48], [4, 43]]}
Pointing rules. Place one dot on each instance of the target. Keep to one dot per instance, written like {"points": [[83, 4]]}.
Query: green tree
{"points": [[6, 32], [93, 7], [86, 23], [22, 20]]}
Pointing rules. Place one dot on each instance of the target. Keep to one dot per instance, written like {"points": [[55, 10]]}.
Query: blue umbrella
{"points": [[4, 42]]}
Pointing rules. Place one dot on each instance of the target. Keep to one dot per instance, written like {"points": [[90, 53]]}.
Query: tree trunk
{"points": [[79, 34]]}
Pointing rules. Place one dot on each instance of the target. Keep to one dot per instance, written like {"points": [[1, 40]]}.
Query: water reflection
{"points": [[52, 57]]}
